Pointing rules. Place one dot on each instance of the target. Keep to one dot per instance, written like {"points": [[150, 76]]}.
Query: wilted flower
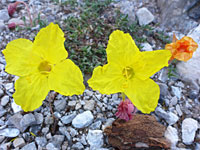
{"points": [[182, 49], [128, 71], [12, 8], [126, 110], [42, 66]]}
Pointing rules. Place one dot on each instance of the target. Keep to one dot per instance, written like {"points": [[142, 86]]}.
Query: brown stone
{"points": [[143, 130]]}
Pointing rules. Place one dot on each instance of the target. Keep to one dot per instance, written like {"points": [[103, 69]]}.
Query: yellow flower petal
{"points": [[30, 91], [121, 48], [144, 94], [66, 79], [19, 58], [152, 62], [49, 44], [107, 79]]}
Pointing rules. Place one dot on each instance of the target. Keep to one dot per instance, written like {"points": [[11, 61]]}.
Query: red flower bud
{"points": [[12, 25], [125, 110]]}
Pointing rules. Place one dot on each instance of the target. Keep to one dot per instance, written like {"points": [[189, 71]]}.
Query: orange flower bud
{"points": [[182, 49]]}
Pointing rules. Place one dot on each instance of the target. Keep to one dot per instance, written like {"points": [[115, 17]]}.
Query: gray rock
{"points": [[9, 132], [41, 141], [72, 131], [35, 129], [1, 92], [197, 146], [163, 89], [49, 120], [68, 119], [4, 100], [15, 120], [170, 117], [57, 140], [127, 8], [95, 138], [171, 134], [30, 146], [89, 105], [96, 125], [63, 131], [179, 111], [144, 16], [189, 128], [39, 118], [60, 104], [174, 15], [2, 138], [176, 91], [28, 120], [146, 47], [2, 111], [173, 101], [4, 15], [83, 120], [78, 146], [2, 26], [19, 142], [83, 140]]}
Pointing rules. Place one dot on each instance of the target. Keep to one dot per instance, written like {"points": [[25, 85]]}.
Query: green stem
{"points": [[123, 96]]}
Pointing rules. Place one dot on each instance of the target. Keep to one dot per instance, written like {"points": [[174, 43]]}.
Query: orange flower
{"points": [[182, 49]]}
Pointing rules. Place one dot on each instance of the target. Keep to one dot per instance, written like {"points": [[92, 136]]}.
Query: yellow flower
{"points": [[128, 71], [42, 66]]}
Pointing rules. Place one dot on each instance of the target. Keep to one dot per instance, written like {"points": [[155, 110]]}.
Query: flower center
{"points": [[44, 67], [128, 72]]}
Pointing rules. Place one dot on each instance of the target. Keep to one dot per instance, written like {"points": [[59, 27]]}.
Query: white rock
{"points": [[89, 105], [176, 91], [4, 100], [9, 132], [190, 70], [18, 142], [95, 138], [16, 108], [189, 128], [30, 146], [83, 120], [146, 47], [71, 103], [172, 135], [144, 16], [141, 145]]}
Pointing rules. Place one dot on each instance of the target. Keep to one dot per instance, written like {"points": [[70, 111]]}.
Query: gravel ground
{"points": [[80, 120]]}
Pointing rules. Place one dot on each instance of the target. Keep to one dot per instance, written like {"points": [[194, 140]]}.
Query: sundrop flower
{"points": [[42, 66], [182, 49], [128, 71]]}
